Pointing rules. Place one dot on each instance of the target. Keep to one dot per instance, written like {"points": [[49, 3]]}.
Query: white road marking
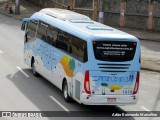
{"points": [[1, 51], [144, 108], [22, 71], [62, 106]]}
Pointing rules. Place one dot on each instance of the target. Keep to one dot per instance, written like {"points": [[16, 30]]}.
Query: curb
{"points": [[143, 39], [9, 15], [149, 69], [6, 14]]}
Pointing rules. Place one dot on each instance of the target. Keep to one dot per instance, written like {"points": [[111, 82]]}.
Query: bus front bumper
{"points": [[108, 99]]}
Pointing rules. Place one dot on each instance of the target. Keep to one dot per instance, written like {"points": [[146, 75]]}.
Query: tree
{"points": [[104, 85]]}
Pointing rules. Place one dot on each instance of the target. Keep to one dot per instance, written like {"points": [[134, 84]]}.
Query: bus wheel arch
{"points": [[66, 96]]}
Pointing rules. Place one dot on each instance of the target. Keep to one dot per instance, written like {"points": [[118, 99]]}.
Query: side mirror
{"points": [[24, 23]]}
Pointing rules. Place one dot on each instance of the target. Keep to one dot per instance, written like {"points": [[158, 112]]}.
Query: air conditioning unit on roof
{"points": [[63, 14]]}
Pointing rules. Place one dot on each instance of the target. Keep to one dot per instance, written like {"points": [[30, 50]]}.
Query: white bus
{"points": [[90, 62]]}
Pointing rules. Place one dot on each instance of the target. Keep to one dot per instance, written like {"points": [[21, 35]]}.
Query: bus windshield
{"points": [[114, 51]]}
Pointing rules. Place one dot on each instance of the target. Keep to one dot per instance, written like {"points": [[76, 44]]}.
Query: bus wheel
{"points": [[67, 98], [34, 69]]}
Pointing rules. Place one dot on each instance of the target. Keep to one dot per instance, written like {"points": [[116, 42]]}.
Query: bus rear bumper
{"points": [[108, 99]]}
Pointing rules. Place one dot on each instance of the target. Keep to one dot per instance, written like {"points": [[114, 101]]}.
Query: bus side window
{"points": [[63, 41], [79, 47], [52, 34], [41, 32], [31, 30]]}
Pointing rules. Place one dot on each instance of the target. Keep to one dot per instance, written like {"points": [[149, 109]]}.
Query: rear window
{"points": [[114, 51]]}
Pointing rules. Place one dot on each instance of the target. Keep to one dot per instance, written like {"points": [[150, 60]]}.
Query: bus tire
{"points": [[66, 96], [34, 68]]}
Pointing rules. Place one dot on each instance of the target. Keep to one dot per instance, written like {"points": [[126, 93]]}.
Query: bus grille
{"points": [[113, 67]]}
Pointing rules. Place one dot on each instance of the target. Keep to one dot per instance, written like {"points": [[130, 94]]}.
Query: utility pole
{"points": [[102, 10], [17, 7]]}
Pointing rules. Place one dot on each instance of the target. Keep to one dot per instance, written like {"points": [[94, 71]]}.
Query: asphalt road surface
{"points": [[21, 91]]}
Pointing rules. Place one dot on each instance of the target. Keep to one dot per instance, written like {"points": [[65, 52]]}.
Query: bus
{"points": [[91, 63]]}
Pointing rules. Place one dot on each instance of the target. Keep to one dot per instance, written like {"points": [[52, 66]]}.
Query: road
{"points": [[21, 91], [150, 55]]}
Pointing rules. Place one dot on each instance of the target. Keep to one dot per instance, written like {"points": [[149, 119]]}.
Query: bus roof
{"points": [[79, 25]]}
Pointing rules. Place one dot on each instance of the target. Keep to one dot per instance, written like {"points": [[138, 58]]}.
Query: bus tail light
{"points": [[136, 87], [87, 83]]}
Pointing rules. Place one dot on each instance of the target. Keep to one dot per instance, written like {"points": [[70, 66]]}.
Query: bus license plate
{"points": [[111, 99]]}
